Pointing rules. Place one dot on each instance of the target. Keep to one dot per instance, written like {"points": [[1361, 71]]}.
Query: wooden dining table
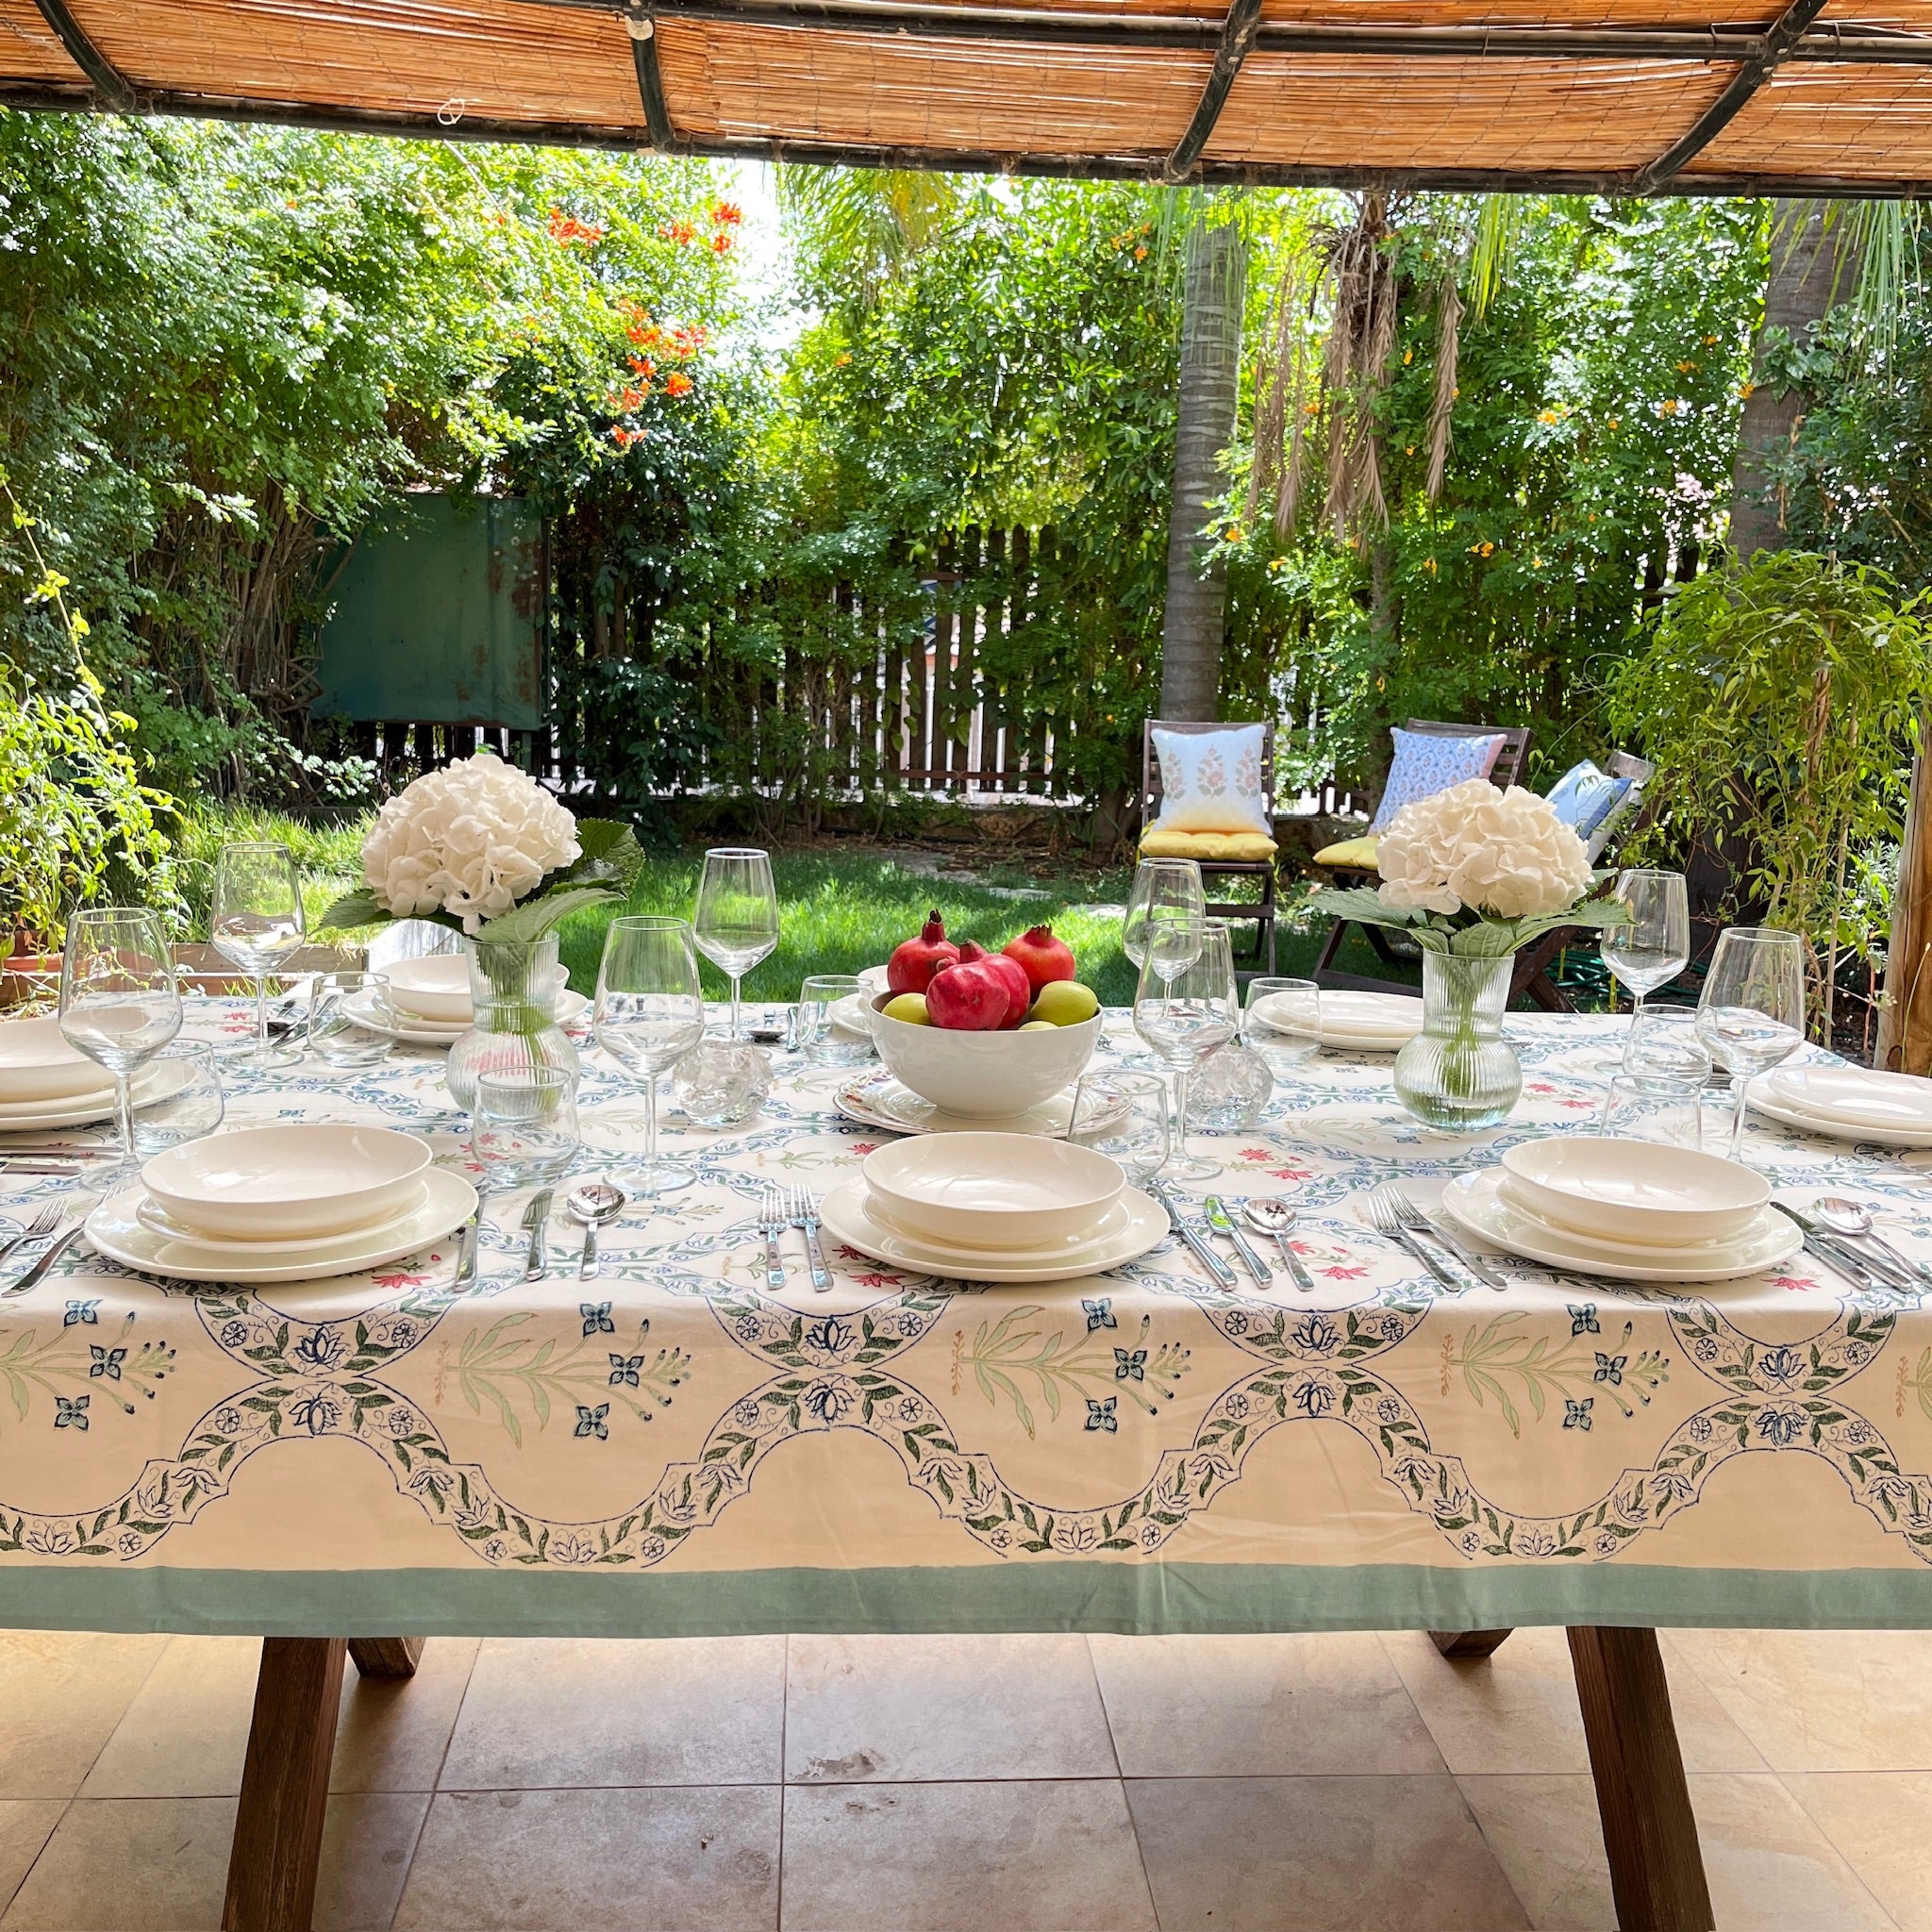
{"points": [[350, 1467]]}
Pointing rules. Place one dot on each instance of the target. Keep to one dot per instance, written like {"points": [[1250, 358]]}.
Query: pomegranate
{"points": [[966, 998], [1042, 958], [1019, 989], [913, 964]]}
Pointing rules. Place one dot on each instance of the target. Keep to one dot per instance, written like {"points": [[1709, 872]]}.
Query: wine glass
{"points": [[1752, 1012], [523, 1128], [1164, 890], [737, 918], [1124, 1117], [649, 1013], [1653, 946], [1184, 1007], [255, 920], [119, 1003]]}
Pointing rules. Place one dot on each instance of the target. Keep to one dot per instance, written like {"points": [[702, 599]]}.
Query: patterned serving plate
{"points": [[879, 1100]]}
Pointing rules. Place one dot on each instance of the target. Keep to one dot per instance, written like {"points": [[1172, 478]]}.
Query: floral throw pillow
{"points": [[1427, 763], [1583, 797], [1210, 781]]}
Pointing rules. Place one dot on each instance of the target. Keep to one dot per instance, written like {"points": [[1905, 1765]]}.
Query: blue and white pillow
{"points": [[1583, 797], [1427, 763]]}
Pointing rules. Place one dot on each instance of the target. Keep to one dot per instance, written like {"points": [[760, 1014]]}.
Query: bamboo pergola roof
{"points": [[1619, 96]]}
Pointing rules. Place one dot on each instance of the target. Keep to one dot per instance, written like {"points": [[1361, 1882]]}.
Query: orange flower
{"points": [[720, 245], [567, 228], [677, 384], [679, 232], [642, 365], [632, 395], [624, 438], [1140, 253], [727, 214]]}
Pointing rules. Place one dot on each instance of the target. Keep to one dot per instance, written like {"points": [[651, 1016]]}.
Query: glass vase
{"points": [[513, 1016], [1460, 1073]]}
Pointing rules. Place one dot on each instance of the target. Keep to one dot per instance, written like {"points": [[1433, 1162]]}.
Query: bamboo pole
{"points": [[1905, 1018]]}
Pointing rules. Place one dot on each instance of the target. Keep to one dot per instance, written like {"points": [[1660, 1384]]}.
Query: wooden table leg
{"points": [[1657, 1869], [285, 1786], [1467, 1643], [386, 1656]]}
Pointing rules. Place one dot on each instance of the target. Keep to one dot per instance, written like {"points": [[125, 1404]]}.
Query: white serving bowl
{"points": [[1634, 1190], [274, 1183], [982, 1076], [993, 1190], [37, 1063], [437, 985]]}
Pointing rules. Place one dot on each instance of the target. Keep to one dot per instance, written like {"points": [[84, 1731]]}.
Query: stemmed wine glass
{"points": [[1164, 890], [1653, 946], [649, 1013], [737, 918], [1184, 1007], [119, 1003], [1752, 1012], [255, 922]]}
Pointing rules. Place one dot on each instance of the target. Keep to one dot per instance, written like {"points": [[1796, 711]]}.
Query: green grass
{"points": [[330, 856]]}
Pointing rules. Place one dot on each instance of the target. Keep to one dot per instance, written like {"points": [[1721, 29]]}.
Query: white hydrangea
{"points": [[470, 840], [1503, 853]]}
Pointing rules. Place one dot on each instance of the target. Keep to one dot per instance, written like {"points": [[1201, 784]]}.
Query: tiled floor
{"points": [[1035, 1784]]}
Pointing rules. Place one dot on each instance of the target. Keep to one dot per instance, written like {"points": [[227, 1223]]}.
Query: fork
{"points": [[1418, 1223], [804, 1214], [1388, 1223], [772, 1225], [38, 1229]]}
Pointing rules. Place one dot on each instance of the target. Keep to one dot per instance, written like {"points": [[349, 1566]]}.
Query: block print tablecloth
{"points": [[678, 1451]]}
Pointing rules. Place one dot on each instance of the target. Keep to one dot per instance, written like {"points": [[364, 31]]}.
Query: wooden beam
{"points": [[1749, 77], [1656, 1866], [272, 1866], [643, 29], [1237, 37], [1462, 1645], [1905, 1015], [386, 1656], [109, 82]]}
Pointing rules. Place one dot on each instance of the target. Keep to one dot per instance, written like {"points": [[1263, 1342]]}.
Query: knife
{"points": [[1203, 1253], [1861, 1271], [1221, 1222], [536, 1218], [466, 1256], [1459, 1250], [49, 1255]]}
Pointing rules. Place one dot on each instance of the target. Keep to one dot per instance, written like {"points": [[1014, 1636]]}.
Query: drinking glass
{"points": [[1124, 1117], [1654, 1108], [1164, 890], [346, 1014], [823, 1039], [255, 922], [1282, 1022], [649, 1013], [737, 918], [1752, 1011], [523, 1128], [187, 1103], [119, 1003], [1184, 1007], [1654, 946]]}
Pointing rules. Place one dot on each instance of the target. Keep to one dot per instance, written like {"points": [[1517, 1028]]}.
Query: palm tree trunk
{"points": [[1217, 268]]}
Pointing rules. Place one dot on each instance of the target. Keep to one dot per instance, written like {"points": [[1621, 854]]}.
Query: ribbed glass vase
{"points": [[1460, 1073], [513, 1015]]}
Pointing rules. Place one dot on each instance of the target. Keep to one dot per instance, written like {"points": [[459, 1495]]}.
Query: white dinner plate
{"points": [[873, 979], [39, 1068], [114, 1228], [1854, 1096], [879, 1100], [846, 1216], [1766, 1103], [360, 1007], [154, 1217], [1357, 1016], [853, 1015], [156, 1081], [1473, 1200], [1364, 1043]]}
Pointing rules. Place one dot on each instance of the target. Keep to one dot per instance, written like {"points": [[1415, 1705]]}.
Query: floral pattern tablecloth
{"points": [[673, 1449]]}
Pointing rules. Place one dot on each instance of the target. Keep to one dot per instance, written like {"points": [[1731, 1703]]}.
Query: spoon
{"points": [[1853, 1218], [590, 1206], [1274, 1216]]}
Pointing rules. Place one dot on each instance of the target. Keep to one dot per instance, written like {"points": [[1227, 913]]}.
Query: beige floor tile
{"points": [[185, 1733], [695, 1859], [61, 1695], [393, 1732], [1006, 1856], [1318, 1855], [703, 1710], [904, 1709], [1516, 1711], [1823, 1700], [1769, 1867], [26, 1826], [1882, 1821], [1234, 1706], [129, 1865], [366, 1847]]}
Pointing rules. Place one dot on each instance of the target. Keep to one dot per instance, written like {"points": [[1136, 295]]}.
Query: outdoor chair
{"points": [[1231, 854]]}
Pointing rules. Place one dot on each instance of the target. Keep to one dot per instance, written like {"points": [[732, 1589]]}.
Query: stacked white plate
{"points": [[1632, 1210], [879, 1100], [47, 1083], [990, 1207], [1848, 1104], [429, 1001], [282, 1204], [1368, 1022]]}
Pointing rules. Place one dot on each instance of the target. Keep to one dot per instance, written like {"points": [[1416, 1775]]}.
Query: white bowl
{"points": [[437, 985], [37, 1063], [1634, 1190], [270, 1183], [985, 1076], [993, 1190]]}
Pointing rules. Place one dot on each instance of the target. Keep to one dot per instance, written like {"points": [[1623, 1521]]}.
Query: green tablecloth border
{"points": [[1134, 1598]]}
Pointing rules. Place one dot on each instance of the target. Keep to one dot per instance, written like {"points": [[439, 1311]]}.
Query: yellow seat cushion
{"points": [[1357, 855], [1248, 845]]}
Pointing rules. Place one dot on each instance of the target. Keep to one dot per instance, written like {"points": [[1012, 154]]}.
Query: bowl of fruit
{"points": [[985, 1035]]}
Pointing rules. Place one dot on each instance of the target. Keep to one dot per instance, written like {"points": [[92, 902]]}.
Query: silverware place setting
{"points": [[536, 1224]]}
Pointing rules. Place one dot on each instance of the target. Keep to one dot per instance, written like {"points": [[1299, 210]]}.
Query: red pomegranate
{"points": [[1012, 974], [913, 964], [966, 998], [1040, 956]]}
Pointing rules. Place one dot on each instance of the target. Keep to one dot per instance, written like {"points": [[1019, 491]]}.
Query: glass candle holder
{"points": [[722, 1083]]}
